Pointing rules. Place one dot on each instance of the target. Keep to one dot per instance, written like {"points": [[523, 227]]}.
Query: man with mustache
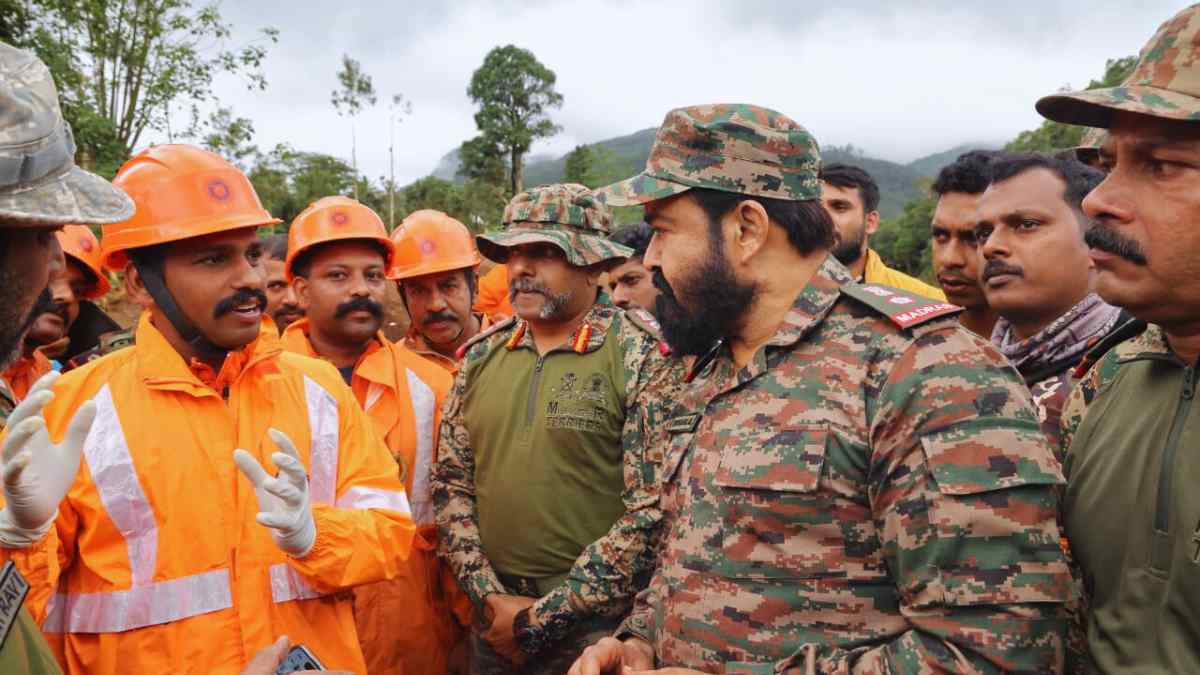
{"points": [[1132, 426], [44, 192], [630, 283], [1037, 275], [546, 485], [282, 306], [143, 548], [436, 262], [338, 257], [954, 249], [851, 197], [854, 482]]}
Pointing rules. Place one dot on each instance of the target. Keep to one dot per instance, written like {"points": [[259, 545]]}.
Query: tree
{"points": [[14, 22], [119, 66], [230, 137], [1054, 136], [356, 91], [480, 160], [399, 109], [514, 92], [288, 180], [580, 166], [904, 241]]}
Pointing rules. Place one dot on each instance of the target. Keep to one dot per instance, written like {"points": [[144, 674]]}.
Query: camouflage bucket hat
{"points": [[566, 215], [1165, 82], [1088, 149], [40, 185], [731, 147]]}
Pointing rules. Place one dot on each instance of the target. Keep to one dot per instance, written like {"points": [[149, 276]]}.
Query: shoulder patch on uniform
{"points": [[485, 334], [904, 309], [683, 423], [13, 589], [645, 321], [1124, 332]]}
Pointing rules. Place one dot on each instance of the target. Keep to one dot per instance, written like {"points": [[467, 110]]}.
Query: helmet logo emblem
{"points": [[85, 244], [427, 247], [339, 218], [218, 189]]}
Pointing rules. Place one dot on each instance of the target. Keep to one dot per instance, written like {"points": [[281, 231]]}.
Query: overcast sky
{"points": [[899, 80]]}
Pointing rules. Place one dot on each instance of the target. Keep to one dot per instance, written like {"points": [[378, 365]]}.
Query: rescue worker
{"points": [[338, 257], [493, 300], [630, 282], [436, 261], [546, 486], [282, 306], [851, 197], [1037, 275], [1132, 425], [855, 482], [91, 333], [952, 243], [33, 205], [156, 554]]}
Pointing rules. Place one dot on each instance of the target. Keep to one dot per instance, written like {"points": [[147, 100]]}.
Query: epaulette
{"points": [[646, 321], [483, 335], [1125, 331], [109, 343], [906, 310]]}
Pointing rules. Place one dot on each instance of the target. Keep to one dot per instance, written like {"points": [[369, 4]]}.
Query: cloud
{"points": [[900, 80]]}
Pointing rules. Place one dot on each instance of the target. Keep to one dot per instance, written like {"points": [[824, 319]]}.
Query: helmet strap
{"points": [[156, 286]]}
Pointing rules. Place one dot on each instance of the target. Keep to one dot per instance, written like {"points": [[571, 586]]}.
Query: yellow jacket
{"points": [[879, 273], [155, 563]]}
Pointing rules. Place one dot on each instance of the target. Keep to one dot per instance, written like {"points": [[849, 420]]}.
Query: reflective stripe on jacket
{"points": [[156, 563]]}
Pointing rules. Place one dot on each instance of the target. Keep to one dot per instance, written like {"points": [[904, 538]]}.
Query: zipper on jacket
{"points": [[534, 384], [1183, 407]]}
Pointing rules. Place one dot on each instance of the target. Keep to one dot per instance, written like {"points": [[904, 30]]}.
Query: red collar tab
{"points": [[517, 336], [583, 335]]}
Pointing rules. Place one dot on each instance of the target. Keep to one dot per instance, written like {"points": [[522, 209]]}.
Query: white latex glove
{"points": [[36, 472], [283, 498]]}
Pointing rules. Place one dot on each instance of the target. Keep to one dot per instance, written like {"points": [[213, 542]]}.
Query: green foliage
{"points": [[356, 91], [476, 204], [514, 92], [229, 136], [1052, 137], [14, 22], [903, 242], [580, 166], [481, 160], [288, 180], [119, 67]]}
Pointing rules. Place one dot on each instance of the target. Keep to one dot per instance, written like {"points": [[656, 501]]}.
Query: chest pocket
{"points": [[774, 514]]}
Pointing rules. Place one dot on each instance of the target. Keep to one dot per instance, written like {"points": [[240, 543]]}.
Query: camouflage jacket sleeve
{"points": [[640, 621], [453, 489], [610, 572], [963, 495]]}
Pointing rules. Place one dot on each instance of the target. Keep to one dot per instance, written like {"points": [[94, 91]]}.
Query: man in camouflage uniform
{"points": [[41, 190], [1132, 426], [546, 485], [855, 482]]}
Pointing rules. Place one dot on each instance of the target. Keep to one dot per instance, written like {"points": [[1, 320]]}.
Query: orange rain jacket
{"points": [[155, 563], [23, 372], [492, 297], [406, 625]]}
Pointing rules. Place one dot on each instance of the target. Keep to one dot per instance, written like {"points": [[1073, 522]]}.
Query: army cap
{"points": [[731, 147], [567, 215], [40, 186], [1088, 149], [1165, 82]]}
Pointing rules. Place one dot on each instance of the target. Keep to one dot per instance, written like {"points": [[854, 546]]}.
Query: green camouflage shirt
{"points": [[609, 572], [871, 494]]}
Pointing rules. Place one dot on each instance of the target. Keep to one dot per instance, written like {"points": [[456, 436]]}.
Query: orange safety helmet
{"points": [[428, 242], [78, 243], [335, 219], [181, 192]]}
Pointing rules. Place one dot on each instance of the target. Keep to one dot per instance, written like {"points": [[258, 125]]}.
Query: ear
{"points": [[300, 288], [872, 223], [752, 226], [134, 288]]}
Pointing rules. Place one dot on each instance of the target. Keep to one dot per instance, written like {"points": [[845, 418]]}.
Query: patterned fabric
{"points": [[860, 497], [730, 147], [567, 215], [1165, 82]]}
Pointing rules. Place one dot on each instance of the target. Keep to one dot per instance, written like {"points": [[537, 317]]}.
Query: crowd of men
{"points": [[728, 439]]}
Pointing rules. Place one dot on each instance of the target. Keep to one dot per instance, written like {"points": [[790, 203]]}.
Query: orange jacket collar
{"points": [[161, 367], [374, 365]]}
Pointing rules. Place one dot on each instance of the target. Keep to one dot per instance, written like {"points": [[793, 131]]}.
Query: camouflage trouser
{"points": [[553, 660]]}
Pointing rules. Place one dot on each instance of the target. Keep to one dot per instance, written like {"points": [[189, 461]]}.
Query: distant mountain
{"points": [[898, 183]]}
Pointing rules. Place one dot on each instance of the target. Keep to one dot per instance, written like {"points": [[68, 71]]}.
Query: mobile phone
{"points": [[298, 658]]}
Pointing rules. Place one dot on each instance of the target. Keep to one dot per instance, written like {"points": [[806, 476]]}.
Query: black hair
{"points": [[276, 247], [635, 236], [302, 264], [849, 176], [1080, 179], [970, 173], [807, 224]]}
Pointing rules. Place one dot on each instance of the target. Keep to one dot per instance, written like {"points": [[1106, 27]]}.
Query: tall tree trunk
{"points": [[517, 173], [354, 156]]}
